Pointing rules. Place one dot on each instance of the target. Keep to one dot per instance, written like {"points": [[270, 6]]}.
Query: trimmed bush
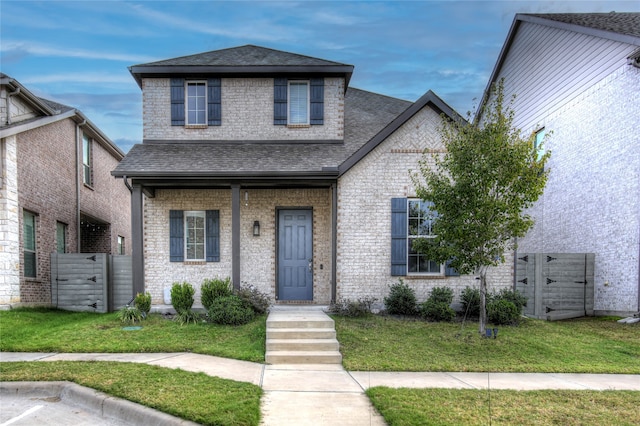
{"points": [[349, 308], [470, 299], [438, 306], [502, 312], [230, 310], [182, 296], [213, 288], [254, 298], [143, 302], [401, 299]]}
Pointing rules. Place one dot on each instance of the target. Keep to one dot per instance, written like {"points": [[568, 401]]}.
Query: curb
{"points": [[100, 404]]}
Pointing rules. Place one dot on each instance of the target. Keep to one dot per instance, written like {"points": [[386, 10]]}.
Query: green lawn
{"points": [[411, 407], [585, 345], [192, 396]]}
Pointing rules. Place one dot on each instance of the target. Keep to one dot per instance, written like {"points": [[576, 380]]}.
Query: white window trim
{"points": [[307, 123], [186, 104], [410, 239], [203, 215]]}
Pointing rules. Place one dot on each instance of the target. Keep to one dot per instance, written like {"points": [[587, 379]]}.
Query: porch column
{"points": [[137, 244], [334, 240], [235, 236]]}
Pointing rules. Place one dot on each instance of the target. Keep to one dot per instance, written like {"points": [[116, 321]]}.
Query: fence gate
{"points": [[556, 285], [91, 282]]}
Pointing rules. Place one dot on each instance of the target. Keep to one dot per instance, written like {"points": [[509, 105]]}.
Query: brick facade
{"points": [[247, 113], [591, 203], [364, 216]]}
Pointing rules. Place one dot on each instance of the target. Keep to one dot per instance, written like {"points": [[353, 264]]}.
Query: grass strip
{"points": [[585, 345], [192, 396], [401, 407]]}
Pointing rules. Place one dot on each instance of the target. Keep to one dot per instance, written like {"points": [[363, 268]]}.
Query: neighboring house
{"points": [[576, 77], [266, 167], [57, 193]]}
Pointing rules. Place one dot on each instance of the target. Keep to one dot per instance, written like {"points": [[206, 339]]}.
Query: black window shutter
{"points": [[177, 101], [450, 271], [213, 235], [176, 236], [398, 237], [214, 102], [280, 87], [317, 101]]}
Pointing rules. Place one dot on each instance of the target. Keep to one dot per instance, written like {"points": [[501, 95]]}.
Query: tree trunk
{"points": [[483, 300]]}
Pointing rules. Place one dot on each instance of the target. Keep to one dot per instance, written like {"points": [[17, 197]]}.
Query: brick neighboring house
{"points": [[577, 77], [57, 193], [266, 167]]}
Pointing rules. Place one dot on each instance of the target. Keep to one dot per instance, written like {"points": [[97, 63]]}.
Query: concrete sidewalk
{"points": [[322, 394]]}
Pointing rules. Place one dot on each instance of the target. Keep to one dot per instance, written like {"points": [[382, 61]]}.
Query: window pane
{"points": [[196, 103], [61, 237], [420, 223], [195, 235], [298, 102], [29, 243]]}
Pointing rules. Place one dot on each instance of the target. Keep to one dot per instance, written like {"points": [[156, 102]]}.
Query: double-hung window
{"points": [[194, 236], [61, 237], [420, 221], [29, 244], [194, 231], [196, 103], [298, 108], [86, 161]]}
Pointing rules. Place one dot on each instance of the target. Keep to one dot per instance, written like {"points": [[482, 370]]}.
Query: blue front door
{"points": [[295, 256]]}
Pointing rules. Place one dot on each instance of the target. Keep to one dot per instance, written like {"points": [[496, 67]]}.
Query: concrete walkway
{"points": [[320, 394]]}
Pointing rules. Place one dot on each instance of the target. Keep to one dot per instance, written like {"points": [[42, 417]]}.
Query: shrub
{"points": [[214, 288], [182, 297], [349, 308], [230, 310], [401, 299], [143, 303], [502, 312], [129, 314], [254, 298], [470, 299], [438, 306], [185, 317], [513, 296]]}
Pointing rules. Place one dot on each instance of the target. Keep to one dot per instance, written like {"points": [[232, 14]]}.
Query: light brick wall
{"points": [[257, 254], [591, 202], [247, 113], [9, 223], [364, 217]]}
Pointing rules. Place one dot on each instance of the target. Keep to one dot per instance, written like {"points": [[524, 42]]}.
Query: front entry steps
{"points": [[301, 336]]}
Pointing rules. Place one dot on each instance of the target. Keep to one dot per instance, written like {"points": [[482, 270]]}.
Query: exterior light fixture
{"points": [[246, 198], [256, 229]]}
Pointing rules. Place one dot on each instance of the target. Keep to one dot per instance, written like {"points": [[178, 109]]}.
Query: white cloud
{"points": [[12, 46]]}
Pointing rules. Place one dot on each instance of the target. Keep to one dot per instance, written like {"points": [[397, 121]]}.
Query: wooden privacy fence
{"points": [[556, 285], [90, 282]]}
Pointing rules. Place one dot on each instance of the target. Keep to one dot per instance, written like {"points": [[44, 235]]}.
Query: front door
{"points": [[295, 255]]}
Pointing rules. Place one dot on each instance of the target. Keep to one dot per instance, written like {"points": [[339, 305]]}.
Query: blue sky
{"points": [[77, 52]]}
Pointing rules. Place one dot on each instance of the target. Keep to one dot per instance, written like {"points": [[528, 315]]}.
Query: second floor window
{"points": [[86, 161], [298, 109], [197, 103]]}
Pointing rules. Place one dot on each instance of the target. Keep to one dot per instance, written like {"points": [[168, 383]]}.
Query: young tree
{"points": [[480, 188]]}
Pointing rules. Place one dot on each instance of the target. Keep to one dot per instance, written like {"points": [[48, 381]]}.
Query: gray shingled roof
{"points": [[248, 55], [366, 114], [621, 23]]}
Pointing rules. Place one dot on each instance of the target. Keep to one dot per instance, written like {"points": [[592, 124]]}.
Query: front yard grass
{"points": [[192, 396], [410, 407], [584, 345]]}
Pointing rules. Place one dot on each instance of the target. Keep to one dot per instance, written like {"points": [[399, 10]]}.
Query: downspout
{"points": [[78, 161], [127, 184], [9, 95]]}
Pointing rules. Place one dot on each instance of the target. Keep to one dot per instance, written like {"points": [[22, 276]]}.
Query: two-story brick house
{"points": [[576, 76], [57, 193], [265, 166]]}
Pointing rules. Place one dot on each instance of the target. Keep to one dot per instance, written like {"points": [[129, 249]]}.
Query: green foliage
{"points": [[188, 316], [438, 306], [143, 302], [129, 314], [230, 310], [401, 299], [480, 188], [182, 297], [213, 288], [502, 312], [513, 296], [254, 298], [470, 299], [350, 308]]}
